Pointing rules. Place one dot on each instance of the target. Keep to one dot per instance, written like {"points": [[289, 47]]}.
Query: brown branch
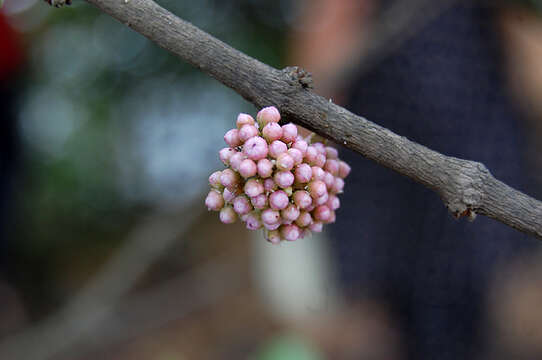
{"points": [[466, 187]]}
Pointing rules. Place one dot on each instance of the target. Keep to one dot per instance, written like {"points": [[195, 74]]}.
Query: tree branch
{"points": [[466, 187]]}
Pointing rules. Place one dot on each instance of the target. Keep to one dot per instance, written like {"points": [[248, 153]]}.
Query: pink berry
{"points": [[317, 188], [259, 202], [253, 188], [225, 154], [268, 115], [241, 205], [214, 180], [289, 133], [269, 185], [302, 199], [300, 145], [304, 219], [318, 173], [232, 138], [322, 213], [329, 179], [331, 152], [227, 215], [246, 132], [271, 132], [236, 159], [333, 203], [332, 166], [229, 195], [229, 178], [270, 216], [338, 185], [278, 200], [244, 119], [316, 226], [344, 169], [303, 173], [273, 237], [253, 222], [285, 162], [276, 148], [284, 179], [214, 200], [311, 154], [247, 168], [272, 226], [321, 148], [290, 232], [290, 213], [255, 148], [320, 160], [265, 168]]}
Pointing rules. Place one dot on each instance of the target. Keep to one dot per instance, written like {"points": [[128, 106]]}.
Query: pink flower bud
{"points": [[320, 160], [304, 233], [333, 203], [272, 226], [290, 232], [316, 226], [268, 115], [311, 154], [236, 159], [255, 148], [253, 222], [329, 179], [271, 132], [322, 213], [296, 155], [225, 155], [247, 168], [270, 217], [285, 162], [302, 199], [241, 205], [338, 185], [331, 218], [278, 200], [273, 237], [344, 169], [289, 133], [290, 213], [253, 188], [259, 202], [269, 185], [232, 138], [229, 195], [229, 178], [317, 188], [214, 180], [331, 152], [303, 173], [322, 199], [214, 200], [332, 166], [318, 173], [284, 179], [300, 145], [276, 148], [244, 119], [304, 219], [227, 215], [247, 131], [321, 148], [265, 168]]}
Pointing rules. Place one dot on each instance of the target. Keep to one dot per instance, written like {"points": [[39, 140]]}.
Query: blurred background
{"points": [[108, 252]]}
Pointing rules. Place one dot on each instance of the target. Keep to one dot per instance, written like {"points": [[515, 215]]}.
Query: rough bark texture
{"points": [[466, 187]]}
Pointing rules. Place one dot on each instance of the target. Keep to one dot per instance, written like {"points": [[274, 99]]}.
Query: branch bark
{"points": [[466, 187]]}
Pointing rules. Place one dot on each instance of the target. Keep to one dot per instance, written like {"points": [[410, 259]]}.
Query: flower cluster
{"points": [[275, 179]]}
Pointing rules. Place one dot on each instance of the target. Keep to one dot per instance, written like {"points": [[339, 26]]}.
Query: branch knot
{"points": [[298, 75]]}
